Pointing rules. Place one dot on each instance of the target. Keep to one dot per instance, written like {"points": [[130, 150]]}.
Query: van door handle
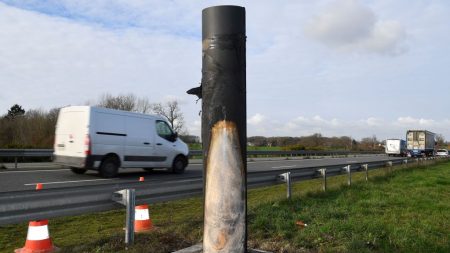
{"points": [[147, 143], [159, 144]]}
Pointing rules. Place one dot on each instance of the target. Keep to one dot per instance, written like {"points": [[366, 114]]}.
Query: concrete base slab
{"points": [[198, 248]]}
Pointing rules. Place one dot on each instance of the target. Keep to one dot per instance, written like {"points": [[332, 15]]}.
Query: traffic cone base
{"points": [[38, 239], [142, 221]]}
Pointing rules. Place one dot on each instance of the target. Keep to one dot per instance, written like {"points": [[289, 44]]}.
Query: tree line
{"points": [[35, 128], [317, 142]]}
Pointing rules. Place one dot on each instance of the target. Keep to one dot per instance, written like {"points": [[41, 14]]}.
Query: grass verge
{"points": [[403, 211]]}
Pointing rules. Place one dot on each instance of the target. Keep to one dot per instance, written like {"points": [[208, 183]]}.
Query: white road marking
{"points": [[286, 160], [279, 167], [187, 180], [351, 161], [29, 171], [76, 181]]}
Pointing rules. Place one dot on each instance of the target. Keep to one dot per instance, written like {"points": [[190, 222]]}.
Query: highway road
{"points": [[56, 177]]}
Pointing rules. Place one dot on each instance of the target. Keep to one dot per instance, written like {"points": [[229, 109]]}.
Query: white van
{"points": [[105, 140]]}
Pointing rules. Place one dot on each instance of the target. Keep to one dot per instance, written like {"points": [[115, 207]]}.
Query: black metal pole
{"points": [[130, 200], [224, 131]]}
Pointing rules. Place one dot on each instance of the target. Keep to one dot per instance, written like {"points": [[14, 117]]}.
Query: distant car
{"points": [[415, 153], [442, 152]]}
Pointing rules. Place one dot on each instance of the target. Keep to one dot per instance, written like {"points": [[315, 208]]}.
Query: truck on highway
{"points": [[396, 147], [103, 139], [420, 142]]}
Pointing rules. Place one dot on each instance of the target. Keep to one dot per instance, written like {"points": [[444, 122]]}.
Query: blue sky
{"points": [[341, 67]]}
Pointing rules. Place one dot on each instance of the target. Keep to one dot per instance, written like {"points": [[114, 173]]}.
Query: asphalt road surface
{"points": [[55, 177]]}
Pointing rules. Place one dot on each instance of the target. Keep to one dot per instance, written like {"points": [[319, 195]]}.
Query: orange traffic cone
{"points": [[142, 221], [38, 237], [301, 224]]}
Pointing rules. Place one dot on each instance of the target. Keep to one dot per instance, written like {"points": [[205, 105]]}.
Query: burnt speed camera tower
{"points": [[224, 133]]}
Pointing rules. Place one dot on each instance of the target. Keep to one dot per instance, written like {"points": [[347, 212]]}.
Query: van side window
{"points": [[164, 130]]}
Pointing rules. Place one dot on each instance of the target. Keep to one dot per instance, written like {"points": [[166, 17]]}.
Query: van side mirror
{"points": [[174, 136]]}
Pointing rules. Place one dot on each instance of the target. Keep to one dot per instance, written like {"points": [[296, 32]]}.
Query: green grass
{"points": [[263, 148], [403, 211], [408, 211]]}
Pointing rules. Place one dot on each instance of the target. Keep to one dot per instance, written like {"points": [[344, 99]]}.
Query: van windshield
{"points": [[163, 129]]}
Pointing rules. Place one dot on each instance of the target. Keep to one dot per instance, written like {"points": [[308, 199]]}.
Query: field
{"points": [[406, 210]]}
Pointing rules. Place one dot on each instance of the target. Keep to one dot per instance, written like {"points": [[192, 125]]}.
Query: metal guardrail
{"points": [[295, 152], [49, 152], [26, 152], [16, 153], [24, 206]]}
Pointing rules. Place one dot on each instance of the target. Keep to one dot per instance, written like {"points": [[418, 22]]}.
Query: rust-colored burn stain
{"points": [[224, 229], [220, 240], [205, 44]]}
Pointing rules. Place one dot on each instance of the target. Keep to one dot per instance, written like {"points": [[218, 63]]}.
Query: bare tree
{"points": [[34, 129], [128, 102], [370, 143], [119, 102], [440, 141], [143, 106], [171, 111]]}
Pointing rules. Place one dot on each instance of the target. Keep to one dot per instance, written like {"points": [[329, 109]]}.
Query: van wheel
{"points": [[78, 170], [109, 167], [179, 164]]}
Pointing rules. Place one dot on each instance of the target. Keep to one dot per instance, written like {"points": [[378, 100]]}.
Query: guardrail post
{"points": [[389, 166], [224, 128], [127, 198], [288, 185], [349, 173], [286, 177], [15, 162], [323, 172], [366, 169], [405, 163]]}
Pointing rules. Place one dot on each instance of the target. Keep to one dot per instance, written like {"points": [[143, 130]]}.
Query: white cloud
{"points": [[316, 120], [56, 61], [416, 122], [256, 119], [371, 121], [341, 23], [56, 53], [349, 25], [180, 100], [382, 128], [386, 38]]}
